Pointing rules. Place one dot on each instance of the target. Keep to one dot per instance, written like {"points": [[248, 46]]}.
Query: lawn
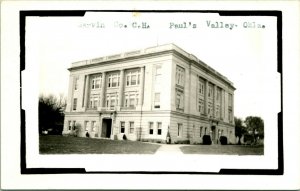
{"points": [[55, 144], [223, 149]]}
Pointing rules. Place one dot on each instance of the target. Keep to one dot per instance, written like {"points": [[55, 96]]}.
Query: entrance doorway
{"points": [[106, 128]]}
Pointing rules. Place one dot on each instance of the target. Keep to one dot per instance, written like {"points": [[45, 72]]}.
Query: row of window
{"points": [[157, 130], [152, 129], [131, 127], [131, 99], [71, 125], [113, 80], [132, 78]]}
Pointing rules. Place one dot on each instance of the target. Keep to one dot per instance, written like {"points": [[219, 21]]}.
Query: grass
{"points": [[55, 144], [223, 149]]}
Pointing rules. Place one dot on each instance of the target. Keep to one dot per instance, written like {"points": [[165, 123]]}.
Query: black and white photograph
{"points": [[159, 83], [150, 92]]}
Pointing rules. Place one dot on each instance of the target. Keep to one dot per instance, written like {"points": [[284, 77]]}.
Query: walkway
{"points": [[169, 149]]}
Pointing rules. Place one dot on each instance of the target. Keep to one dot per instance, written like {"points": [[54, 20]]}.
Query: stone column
{"points": [[121, 90], [189, 89], [69, 106], [102, 92], [232, 105], [222, 105], [206, 98], [142, 81], [86, 91], [215, 101]]}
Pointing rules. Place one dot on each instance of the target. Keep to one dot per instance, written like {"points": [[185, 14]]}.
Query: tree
{"points": [[255, 127], [51, 114], [240, 130]]}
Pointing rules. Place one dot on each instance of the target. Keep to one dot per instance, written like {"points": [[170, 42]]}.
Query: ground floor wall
{"points": [[153, 126], [148, 126], [187, 128]]}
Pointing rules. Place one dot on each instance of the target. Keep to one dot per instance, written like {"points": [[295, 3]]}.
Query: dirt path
{"points": [[169, 149]]}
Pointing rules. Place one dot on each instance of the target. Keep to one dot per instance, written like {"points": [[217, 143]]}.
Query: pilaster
{"points": [[222, 105], [215, 101], [86, 91], [121, 89], [103, 89], [142, 81], [206, 98]]}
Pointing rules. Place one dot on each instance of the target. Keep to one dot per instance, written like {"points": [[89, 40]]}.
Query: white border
{"points": [[10, 125]]}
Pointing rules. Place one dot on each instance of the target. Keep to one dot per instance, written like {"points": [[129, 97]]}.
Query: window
{"points": [[210, 108], [86, 124], [201, 131], [113, 80], [131, 99], [157, 100], [158, 74], [76, 83], [179, 100], [127, 80], [201, 106], [179, 130], [70, 125], [179, 76], [133, 78], [200, 95], [122, 130], [94, 101], [74, 125], [131, 127], [201, 86], [210, 91], [151, 128], [111, 101], [96, 82], [93, 126], [74, 103], [159, 130]]}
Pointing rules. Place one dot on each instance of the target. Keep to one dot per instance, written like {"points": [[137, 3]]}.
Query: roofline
{"points": [[149, 52]]}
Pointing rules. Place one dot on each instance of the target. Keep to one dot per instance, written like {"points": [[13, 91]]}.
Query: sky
{"points": [[246, 56]]}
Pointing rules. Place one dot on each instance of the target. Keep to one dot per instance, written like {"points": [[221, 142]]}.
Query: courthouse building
{"points": [[147, 95]]}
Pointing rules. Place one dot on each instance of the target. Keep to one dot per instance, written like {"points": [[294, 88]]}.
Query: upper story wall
{"points": [[215, 99], [171, 82], [153, 84]]}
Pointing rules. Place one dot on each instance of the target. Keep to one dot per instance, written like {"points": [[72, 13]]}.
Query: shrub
{"points": [[124, 137], [248, 139], [182, 142], [223, 140], [206, 140]]}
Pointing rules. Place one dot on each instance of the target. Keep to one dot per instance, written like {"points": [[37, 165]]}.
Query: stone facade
{"points": [[148, 94]]}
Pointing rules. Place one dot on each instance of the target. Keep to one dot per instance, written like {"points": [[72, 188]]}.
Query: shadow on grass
{"points": [[55, 144], [223, 149]]}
